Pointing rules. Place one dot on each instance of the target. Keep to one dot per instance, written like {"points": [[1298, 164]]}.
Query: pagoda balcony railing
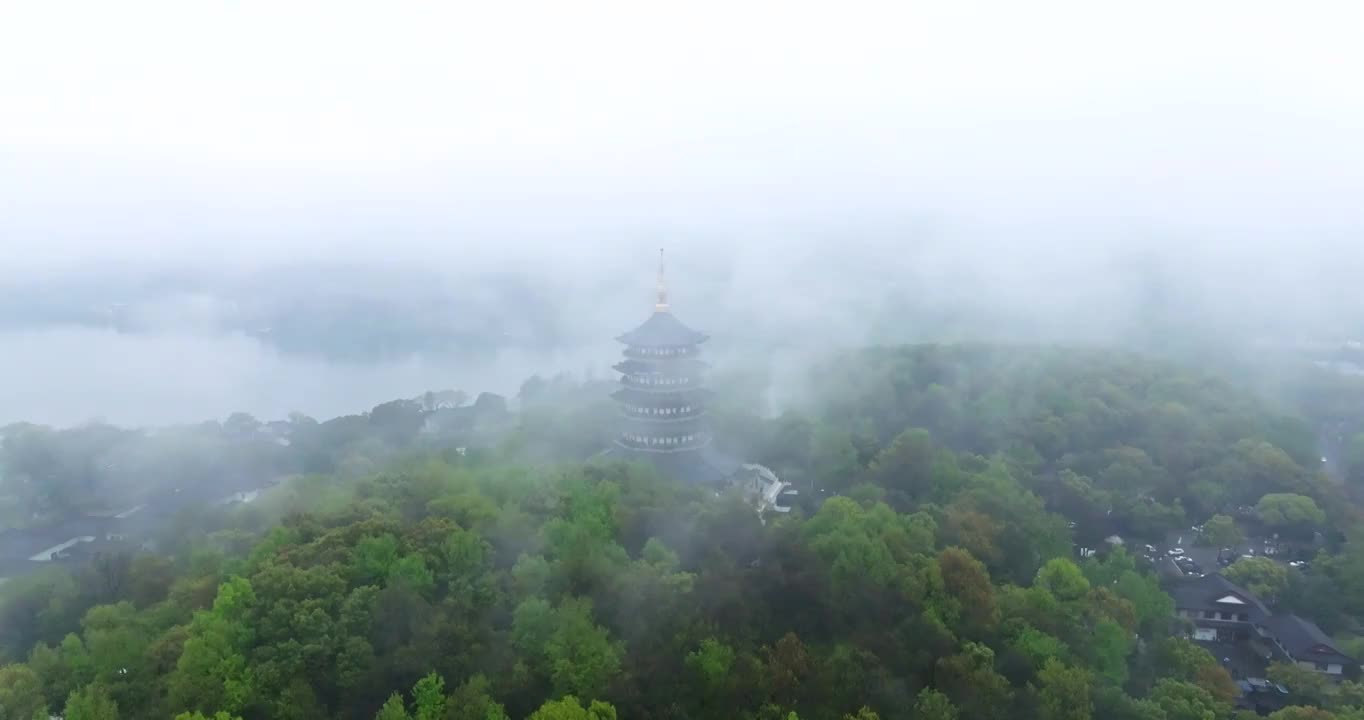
{"points": [[661, 417], [660, 383], [661, 353], [659, 444]]}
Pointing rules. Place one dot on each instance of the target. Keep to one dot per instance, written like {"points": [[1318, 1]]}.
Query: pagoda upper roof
{"points": [[662, 329]]}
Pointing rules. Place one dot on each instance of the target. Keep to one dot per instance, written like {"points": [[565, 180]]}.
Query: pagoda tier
{"points": [[633, 396], [667, 414], [644, 352], [677, 367], [697, 422]]}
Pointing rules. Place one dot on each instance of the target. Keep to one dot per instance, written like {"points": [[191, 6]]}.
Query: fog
{"points": [[319, 207]]}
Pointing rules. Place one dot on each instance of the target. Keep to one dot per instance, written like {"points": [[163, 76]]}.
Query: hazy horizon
{"points": [[317, 208]]}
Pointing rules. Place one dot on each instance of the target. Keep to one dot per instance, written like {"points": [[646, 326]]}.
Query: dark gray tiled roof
{"points": [[1300, 637], [662, 329], [1204, 592], [1304, 640]]}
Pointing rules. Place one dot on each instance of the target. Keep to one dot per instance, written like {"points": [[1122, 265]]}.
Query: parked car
{"points": [[1189, 566]]}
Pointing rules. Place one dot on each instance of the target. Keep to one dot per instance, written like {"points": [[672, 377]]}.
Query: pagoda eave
{"points": [[663, 420], [678, 366], [662, 329], [665, 427], [635, 343], [660, 389], [661, 398]]}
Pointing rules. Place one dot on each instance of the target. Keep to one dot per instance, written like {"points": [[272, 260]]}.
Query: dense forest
{"points": [[947, 556]]}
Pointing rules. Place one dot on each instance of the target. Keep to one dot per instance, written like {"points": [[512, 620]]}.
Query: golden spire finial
{"points": [[661, 305]]}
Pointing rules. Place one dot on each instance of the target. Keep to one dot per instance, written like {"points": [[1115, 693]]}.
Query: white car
{"points": [[1176, 552]]}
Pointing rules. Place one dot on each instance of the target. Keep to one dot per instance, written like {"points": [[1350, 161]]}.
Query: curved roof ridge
{"points": [[662, 329]]}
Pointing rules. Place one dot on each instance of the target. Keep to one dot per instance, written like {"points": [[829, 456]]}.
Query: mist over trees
{"points": [[1049, 315], [410, 566]]}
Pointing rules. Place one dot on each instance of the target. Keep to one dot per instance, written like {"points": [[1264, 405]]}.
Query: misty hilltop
{"points": [[694, 361], [986, 528]]}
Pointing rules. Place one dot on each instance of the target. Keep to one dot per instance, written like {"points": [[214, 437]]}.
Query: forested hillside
{"points": [[929, 569]]}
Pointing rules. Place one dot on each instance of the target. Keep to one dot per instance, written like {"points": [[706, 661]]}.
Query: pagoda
{"points": [[662, 400], [661, 397]]}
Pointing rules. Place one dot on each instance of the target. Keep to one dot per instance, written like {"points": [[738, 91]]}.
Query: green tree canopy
{"points": [[21, 692], [1260, 575], [924, 569], [933, 705], [394, 709], [1288, 511], [1222, 531], [1063, 692], [90, 703], [569, 708]]}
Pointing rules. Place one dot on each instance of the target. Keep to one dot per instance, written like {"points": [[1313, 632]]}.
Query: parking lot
{"points": [[1205, 555]]}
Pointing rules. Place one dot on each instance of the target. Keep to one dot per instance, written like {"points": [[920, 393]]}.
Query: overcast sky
{"points": [[164, 134], [262, 129]]}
